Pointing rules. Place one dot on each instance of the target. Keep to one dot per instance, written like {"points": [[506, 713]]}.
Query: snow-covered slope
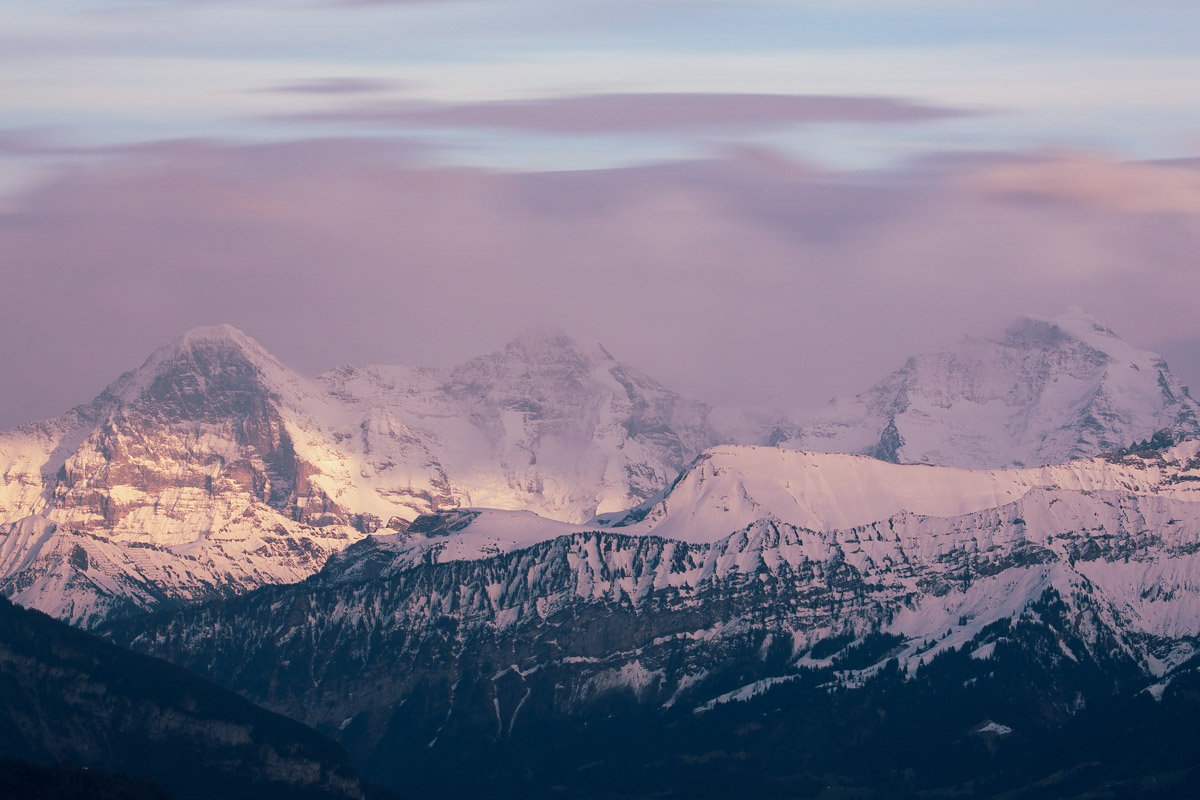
{"points": [[729, 488], [1135, 555], [213, 469], [1048, 391]]}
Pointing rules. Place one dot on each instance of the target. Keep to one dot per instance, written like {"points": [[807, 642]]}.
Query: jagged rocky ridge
{"points": [[1047, 391], [213, 469], [483, 625]]}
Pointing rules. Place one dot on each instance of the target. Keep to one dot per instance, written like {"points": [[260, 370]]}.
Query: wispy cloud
{"points": [[1074, 178], [644, 113], [335, 86]]}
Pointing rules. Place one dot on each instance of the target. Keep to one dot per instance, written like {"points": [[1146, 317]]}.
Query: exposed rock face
{"points": [[69, 697], [183, 480], [206, 435], [1048, 391]]}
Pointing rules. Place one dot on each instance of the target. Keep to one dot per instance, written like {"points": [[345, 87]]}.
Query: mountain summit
{"points": [[544, 424], [192, 476], [1045, 392]]}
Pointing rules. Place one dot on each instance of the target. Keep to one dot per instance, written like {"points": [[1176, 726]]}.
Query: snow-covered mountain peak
{"points": [[545, 423], [549, 346], [1077, 324], [203, 472], [546, 362], [214, 365], [1028, 333], [209, 363], [1047, 391], [221, 346], [222, 334]]}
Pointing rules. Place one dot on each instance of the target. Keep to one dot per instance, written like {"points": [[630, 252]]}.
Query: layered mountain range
{"points": [[757, 568], [443, 568], [213, 469]]}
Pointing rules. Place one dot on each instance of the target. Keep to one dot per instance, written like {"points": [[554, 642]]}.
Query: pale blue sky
{"points": [[1111, 76]]}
